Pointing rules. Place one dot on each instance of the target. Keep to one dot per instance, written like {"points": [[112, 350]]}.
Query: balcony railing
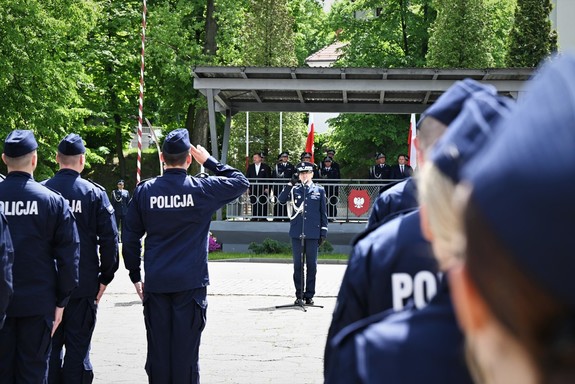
{"points": [[348, 200]]}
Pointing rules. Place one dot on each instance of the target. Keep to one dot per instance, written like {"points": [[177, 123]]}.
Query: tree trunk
{"points": [[199, 133], [210, 45]]}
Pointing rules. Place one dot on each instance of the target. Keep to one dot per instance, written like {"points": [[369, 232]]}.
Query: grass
{"points": [[280, 256]]}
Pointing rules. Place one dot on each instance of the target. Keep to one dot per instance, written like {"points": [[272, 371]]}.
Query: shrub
{"points": [[269, 246]]}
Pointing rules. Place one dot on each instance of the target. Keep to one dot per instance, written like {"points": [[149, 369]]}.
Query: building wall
{"points": [[562, 20]]}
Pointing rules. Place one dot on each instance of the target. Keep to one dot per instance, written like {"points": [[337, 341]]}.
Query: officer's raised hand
{"points": [[294, 179], [199, 153]]}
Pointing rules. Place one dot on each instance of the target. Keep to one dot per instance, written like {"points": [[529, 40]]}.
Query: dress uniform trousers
{"points": [[77, 327], [31, 335], [174, 324], [311, 248]]}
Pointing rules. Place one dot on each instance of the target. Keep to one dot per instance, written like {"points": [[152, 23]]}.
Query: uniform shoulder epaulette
{"points": [[96, 184], [146, 180], [51, 189]]}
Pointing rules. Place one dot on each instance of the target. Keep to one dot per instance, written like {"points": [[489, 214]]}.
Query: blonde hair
{"points": [[436, 193]]}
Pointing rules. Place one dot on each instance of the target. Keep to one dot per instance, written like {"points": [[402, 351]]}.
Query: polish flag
{"points": [[310, 134], [411, 143]]}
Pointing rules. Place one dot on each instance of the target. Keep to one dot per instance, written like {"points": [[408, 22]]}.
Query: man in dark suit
{"points": [[257, 172], [401, 170]]}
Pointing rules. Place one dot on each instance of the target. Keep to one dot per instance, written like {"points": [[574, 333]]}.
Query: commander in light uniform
{"points": [[46, 257], [308, 220], [174, 212], [98, 262]]}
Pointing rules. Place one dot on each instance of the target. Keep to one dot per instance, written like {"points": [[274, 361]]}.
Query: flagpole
{"points": [[141, 98], [247, 139]]}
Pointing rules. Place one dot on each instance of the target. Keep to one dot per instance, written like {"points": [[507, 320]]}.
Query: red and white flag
{"points": [[310, 134], [411, 143]]}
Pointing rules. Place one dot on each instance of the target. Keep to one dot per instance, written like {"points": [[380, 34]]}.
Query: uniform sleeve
{"points": [[285, 193], [229, 183], [132, 234], [107, 240], [323, 214], [351, 299], [67, 253], [381, 208], [6, 262], [341, 368]]}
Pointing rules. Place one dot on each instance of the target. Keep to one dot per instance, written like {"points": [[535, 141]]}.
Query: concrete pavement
{"points": [[246, 340]]}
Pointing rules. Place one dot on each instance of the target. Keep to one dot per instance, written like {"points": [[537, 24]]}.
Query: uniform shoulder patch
{"points": [[96, 185]]}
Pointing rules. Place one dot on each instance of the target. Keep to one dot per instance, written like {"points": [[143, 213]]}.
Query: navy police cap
{"points": [[327, 159], [529, 204], [468, 133], [379, 156], [71, 145], [305, 154], [19, 142], [305, 166], [449, 104], [177, 141]]}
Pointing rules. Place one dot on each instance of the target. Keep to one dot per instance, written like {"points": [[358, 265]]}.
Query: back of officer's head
{"points": [[475, 125], [20, 150], [71, 150], [176, 148], [435, 120], [519, 221]]}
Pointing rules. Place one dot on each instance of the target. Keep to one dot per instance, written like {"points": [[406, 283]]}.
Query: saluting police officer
{"points": [[46, 257], [308, 222], [98, 262], [174, 212], [6, 262]]}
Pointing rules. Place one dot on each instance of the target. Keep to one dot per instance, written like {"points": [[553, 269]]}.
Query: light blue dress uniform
{"points": [[308, 218]]}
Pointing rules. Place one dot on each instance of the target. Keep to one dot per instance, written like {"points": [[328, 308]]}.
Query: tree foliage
{"points": [[531, 38], [41, 65], [390, 33]]}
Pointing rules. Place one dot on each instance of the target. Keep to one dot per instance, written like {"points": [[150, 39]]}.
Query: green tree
{"points": [[459, 37], [390, 33], [531, 39], [311, 31], [41, 65], [268, 40]]}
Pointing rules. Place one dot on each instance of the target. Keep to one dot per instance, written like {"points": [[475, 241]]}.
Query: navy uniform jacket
{"points": [[314, 210], [389, 267], [174, 211], [120, 200], [6, 262], [46, 246], [380, 171], [283, 170], [409, 347], [96, 227], [400, 196]]}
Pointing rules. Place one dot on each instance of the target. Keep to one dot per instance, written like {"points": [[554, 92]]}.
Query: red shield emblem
{"points": [[358, 201]]}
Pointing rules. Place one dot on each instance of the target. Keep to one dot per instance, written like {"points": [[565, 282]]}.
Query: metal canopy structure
{"points": [[230, 90]]}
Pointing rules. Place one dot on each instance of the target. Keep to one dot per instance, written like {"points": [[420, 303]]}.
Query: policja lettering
{"points": [[19, 208], [172, 201], [75, 206]]}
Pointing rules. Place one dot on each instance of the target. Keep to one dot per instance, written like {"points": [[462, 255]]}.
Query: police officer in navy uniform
{"points": [[174, 212], [392, 263], [120, 199], [98, 262], [46, 257], [331, 175], [282, 170], [6, 262], [308, 221], [380, 170], [370, 338]]}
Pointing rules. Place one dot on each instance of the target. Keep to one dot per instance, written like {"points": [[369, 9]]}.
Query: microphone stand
{"points": [[300, 302]]}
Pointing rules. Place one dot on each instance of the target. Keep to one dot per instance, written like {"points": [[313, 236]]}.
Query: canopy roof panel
{"points": [[341, 90]]}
